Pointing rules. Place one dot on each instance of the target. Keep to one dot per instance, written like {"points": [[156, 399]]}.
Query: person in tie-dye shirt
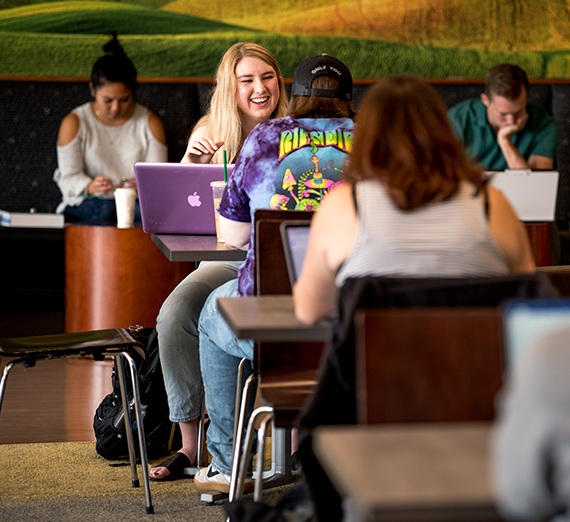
{"points": [[288, 163]]}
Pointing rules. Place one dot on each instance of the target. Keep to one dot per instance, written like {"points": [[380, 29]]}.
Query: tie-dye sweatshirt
{"points": [[286, 163]]}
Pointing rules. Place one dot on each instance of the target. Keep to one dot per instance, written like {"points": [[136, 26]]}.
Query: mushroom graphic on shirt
{"points": [[289, 183], [278, 201], [317, 183]]}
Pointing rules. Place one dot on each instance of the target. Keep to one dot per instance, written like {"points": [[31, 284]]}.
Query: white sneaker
{"points": [[209, 479]]}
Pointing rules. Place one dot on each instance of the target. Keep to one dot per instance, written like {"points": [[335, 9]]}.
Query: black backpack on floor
{"points": [[161, 434]]}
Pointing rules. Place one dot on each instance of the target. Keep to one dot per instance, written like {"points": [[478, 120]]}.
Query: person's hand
{"points": [[509, 130], [202, 150], [99, 186]]}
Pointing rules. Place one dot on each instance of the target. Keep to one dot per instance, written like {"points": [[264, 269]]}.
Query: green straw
{"points": [[225, 167]]}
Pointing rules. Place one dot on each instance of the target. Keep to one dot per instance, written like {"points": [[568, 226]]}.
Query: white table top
{"points": [[411, 472]]}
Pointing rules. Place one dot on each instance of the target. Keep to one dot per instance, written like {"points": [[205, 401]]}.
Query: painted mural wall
{"points": [[432, 38]]}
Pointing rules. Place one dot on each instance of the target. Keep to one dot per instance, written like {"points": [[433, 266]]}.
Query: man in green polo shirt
{"points": [[500, 129]]}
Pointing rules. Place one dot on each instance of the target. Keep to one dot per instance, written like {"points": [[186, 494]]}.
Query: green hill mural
{"points": [[431, 38]]}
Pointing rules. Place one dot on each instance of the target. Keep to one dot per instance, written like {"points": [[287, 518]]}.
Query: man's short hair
{"points": [[505, 80]]}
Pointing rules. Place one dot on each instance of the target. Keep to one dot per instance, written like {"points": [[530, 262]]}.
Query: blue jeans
{"points": [[220, 355], [97, 210], [177, 327]]}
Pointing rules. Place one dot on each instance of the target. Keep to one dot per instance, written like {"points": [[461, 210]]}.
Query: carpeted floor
{"points": [[70, 482]]}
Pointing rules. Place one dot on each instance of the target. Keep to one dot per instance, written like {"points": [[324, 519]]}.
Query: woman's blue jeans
{"points": [[220, 355], [177, 327]]}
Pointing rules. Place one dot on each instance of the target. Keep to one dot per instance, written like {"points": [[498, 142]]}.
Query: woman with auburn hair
{"points": [[414, 206], [248, 89]]}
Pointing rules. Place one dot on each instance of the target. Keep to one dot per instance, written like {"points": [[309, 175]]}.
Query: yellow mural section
{"points": [[508, 25], [62, 7]]}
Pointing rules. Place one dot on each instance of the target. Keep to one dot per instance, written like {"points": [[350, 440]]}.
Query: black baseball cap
{"points": [[323, 65]]}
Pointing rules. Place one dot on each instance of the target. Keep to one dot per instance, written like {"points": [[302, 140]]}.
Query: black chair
{"points": [[335, 398], [117, 343]]}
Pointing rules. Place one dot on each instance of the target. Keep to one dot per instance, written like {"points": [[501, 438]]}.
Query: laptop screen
{"points": [[176, 198], [295, 237], [526, 321], [531, 193]]}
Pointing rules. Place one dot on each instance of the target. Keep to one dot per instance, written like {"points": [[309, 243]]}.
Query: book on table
{"points": [[31, 220]]}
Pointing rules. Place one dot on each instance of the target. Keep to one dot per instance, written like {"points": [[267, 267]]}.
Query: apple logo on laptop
{"points": [[194, 200]]}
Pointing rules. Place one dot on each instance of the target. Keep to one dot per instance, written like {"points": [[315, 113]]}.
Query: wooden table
{"points": [[195, 248], [207, 248], [115, 277], [540, 236], [410, 472], [269, 318]]}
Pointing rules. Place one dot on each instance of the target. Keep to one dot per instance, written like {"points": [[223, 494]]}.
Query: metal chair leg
{"points": [[239, 432], [142, 441], [261, 440], [258, 420], [239, 393], [243, 392], [280, 472], [201, 436], [128, 422], [281, 456], [5, 373]]}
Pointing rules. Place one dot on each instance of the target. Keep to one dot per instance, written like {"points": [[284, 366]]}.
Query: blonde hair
{"points": [[223, 117]]}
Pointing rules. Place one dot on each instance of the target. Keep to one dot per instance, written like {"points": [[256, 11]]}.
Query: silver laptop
{"points": [[527, 321], [176, 198], [532, 193], [295, 238]]}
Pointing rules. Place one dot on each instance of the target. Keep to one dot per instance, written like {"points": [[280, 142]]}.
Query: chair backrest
{"points": [[269, 261], [427, 364], [286, 370], [559, 276], [334, 400]]}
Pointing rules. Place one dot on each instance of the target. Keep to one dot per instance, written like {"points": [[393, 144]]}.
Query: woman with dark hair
{"points": [[414, 205], [99, 141]]}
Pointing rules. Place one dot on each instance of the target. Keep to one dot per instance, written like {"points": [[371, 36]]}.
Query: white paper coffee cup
{"points": [[125, 201]]}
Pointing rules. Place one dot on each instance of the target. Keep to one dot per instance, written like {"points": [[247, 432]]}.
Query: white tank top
{"points": [[438, 240], [104, 150]]}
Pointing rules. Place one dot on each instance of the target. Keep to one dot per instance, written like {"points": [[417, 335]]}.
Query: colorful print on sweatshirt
{"points": [[285, 164]]}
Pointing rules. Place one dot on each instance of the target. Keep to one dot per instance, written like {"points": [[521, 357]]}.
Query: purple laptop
{"points": [[176, 198]]}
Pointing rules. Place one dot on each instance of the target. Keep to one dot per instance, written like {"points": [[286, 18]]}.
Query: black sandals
{"points": [[175, 464]]}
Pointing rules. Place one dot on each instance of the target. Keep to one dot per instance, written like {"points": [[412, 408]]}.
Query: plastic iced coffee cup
{"points": [[217, 191], [125, 201]]}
